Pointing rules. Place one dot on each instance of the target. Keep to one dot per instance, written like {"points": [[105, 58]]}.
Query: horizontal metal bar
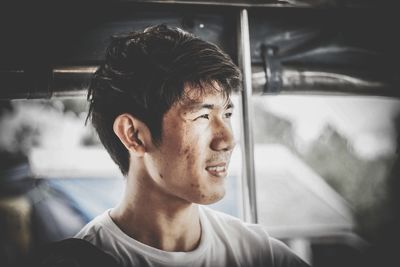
{"points": [[233, 3], [71, 81], [267, 3], [326, 82]]}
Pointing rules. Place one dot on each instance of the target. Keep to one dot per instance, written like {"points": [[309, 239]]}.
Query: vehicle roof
{"points": [[51, 49]]}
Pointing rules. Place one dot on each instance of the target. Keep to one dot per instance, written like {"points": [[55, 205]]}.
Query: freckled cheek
{"points": [[186, 147], [187, 143], [189, 156]]}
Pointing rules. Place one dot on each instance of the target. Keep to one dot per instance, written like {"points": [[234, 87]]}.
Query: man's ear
{"points": [[132, 133]]}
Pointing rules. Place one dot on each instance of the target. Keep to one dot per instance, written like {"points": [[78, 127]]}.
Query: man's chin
{"points": [[211, 198]]}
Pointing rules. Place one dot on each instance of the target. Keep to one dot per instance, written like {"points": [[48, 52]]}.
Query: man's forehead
{"points": [[212, 95], [206, 100]]}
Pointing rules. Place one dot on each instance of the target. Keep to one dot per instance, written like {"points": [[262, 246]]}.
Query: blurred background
{"points": [[325, 169]]}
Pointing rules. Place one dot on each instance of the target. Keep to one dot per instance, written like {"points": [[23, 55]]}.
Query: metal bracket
{"points": [[272, 68]]}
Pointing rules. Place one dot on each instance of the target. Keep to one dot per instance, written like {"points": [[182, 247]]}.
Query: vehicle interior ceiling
{"points": [[49, 50]]}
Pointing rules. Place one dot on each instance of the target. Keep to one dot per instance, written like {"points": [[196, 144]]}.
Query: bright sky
{"points": [[368, 122]]}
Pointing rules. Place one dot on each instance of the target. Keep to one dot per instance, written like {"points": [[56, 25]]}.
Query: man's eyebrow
{"points": [[229, 105], [192, 108]]}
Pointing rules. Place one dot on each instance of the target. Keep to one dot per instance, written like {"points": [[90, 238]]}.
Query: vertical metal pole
{"points": [[249, 179]]}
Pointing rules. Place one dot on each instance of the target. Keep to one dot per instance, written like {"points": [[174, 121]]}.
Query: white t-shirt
{"points": [[225, 241]]}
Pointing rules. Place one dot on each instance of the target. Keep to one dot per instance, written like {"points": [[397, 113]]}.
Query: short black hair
{"points": [[144, 74]]}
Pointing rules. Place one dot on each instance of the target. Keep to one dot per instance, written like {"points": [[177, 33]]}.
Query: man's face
{"points": [[192, 160]]}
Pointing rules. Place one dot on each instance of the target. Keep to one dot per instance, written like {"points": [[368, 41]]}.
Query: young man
{"points": [[160, 104]]}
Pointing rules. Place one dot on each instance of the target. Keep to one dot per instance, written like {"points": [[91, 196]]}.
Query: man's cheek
{"points": [[189, 155]]}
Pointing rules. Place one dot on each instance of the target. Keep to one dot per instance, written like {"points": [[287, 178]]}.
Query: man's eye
{"points": [[205, 116], [228, 115]]}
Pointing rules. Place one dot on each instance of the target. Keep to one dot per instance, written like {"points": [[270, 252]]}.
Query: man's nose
{"points": [[223, 139]]}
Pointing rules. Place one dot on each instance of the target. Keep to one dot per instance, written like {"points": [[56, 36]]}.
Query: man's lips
{"points": [[218, 169]]}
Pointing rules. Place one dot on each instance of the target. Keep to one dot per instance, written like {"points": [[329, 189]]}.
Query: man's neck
{"points": [[153, 218]]}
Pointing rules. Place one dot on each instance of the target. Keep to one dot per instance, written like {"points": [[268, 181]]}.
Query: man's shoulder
{"points": [[284, 256], [91, 230], [232, 229], [254, 236]]}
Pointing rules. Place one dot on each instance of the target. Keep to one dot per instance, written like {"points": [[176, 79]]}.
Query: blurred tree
{"points": [[364, 183]]}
